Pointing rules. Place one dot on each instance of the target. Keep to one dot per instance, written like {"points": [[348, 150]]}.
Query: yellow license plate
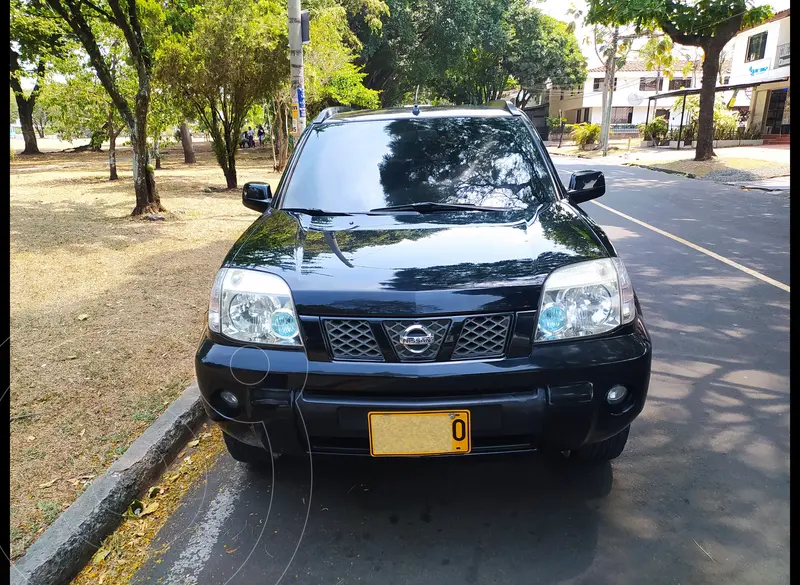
{"points": [[436, 432]]}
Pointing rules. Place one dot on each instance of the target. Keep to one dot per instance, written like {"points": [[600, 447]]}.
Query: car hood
{"points": [[417, 264]]}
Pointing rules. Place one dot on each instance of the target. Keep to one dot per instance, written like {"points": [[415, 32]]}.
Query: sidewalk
{"points": [[774, 184], [752, 167]]}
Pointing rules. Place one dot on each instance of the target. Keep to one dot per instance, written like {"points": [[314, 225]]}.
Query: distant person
{"points": [[250, 139], [260, 135], [244, 140]]}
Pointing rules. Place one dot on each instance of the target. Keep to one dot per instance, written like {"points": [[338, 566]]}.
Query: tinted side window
{"points": [[362, 165]]}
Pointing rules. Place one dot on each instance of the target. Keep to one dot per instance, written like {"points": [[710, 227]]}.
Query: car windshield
{"points": [[359, 166]]}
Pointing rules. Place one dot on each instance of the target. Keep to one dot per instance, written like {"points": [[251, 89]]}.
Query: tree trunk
{"points": [[611, 66], [186, 141], [25, 107], [230, 171], [112, 146], [147, 199], [157, 150], [40, 130], [705, 118], [608, 84]]}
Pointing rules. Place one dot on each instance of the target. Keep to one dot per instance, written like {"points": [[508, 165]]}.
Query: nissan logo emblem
{"points": [[416, 338]]}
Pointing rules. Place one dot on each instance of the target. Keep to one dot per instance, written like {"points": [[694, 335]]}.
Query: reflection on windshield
{"points": [[358, 166]]}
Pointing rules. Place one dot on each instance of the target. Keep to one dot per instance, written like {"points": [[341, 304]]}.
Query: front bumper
{"points": [[554, 396]]}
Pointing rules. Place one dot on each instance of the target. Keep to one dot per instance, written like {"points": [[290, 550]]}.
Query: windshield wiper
{"points": [[431, 207], [314, 211]]}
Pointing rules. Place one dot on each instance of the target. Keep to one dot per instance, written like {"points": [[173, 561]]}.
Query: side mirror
{"points": [[586, 185], [257, 196]]}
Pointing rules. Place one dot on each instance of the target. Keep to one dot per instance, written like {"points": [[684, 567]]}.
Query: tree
{"points": [[138, 21], [543, 49], [657, 54], [612, 50], [422, 42], [14, 110], [80, 105], [234, 54], [186, 142], [163, 116], [41, 117], [36, 40], [709, 24]]}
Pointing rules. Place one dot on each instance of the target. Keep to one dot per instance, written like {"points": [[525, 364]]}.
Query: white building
{"points": [[634, 84], [760, 55]]}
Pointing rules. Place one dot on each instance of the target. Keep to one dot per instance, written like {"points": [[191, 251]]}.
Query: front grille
{"points": [[394, 330], [352, 339], [482, 337], [478, 337]]}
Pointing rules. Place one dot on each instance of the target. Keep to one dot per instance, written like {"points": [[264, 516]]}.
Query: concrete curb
{"points": [[62, 551], [660, 170]]}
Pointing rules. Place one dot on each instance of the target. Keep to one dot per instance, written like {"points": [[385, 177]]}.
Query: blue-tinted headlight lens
{"points": [[553, 318], [284, 324]]}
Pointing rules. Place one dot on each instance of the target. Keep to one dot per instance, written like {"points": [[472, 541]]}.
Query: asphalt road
{"points": [[701, 494]]}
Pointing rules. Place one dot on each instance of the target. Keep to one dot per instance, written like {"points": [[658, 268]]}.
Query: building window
{"points": [[578, 117], [597, 84], [622, 115], [756, 47], [726, 80], [680, 83], [648, 84]]}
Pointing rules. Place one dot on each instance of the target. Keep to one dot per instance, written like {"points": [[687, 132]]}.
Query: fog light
{"points": [[617, 394], [229, 398]]}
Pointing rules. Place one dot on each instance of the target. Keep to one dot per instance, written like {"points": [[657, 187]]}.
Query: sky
{"points": [[558, 9]]}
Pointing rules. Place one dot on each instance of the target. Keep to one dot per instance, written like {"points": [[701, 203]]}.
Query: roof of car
{"points": [[424, 111]]}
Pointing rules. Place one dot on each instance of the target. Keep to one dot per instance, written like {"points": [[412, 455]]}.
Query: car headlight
{"points": [[252, 306], [587, 298]]}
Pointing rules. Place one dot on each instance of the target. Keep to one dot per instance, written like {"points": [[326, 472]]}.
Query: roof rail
{"points": [[328, 112], [506, 105]]}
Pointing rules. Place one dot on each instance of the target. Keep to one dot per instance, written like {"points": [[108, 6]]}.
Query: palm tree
{"points": [[657, 54]]}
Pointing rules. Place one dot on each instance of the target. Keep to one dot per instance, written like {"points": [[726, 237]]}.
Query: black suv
{"points": [[421, 283]]}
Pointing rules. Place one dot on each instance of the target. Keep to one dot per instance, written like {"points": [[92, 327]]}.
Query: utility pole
{"points": [[296, 64]]}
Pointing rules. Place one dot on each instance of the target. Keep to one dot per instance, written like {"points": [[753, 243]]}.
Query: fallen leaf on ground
{"points": [[49, 483], [149, 509], [188, 460], [82, 432], [194, 443], [230, 550], [83, 317], [154, 491], [30, 438], [100, 555]]}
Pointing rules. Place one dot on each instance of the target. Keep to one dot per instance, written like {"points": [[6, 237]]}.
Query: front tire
{"points": [[606, 450], [244, 452]]}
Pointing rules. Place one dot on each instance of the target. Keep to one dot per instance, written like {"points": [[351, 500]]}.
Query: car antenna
{"points": [[415, 109]]}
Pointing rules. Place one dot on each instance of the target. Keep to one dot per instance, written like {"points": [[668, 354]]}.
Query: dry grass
{"points": [[702, 168], [105, 312]]}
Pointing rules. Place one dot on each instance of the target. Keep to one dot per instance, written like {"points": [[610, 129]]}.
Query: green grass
{"points": [[32, 453], [49, 509]]}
